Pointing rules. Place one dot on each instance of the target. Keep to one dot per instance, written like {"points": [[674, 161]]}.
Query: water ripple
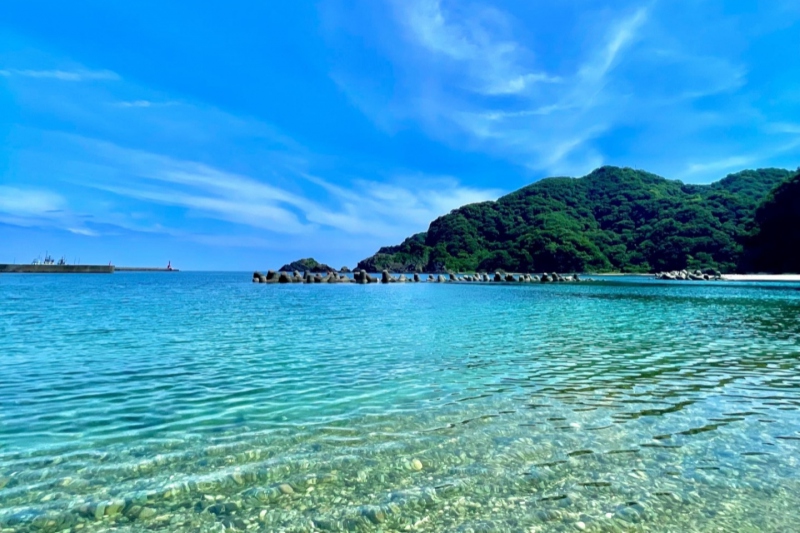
{"points": [[201, 401]]}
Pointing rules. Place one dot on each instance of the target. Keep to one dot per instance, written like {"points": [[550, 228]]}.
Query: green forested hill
{"points": [[614, 219], [775, 243]]}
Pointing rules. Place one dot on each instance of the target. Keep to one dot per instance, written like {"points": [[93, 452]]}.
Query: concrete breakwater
{"points": [[362, 277], [146, 269], [56, 269]]}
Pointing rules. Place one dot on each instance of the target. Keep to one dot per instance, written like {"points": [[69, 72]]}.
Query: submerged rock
{"points": [[147, 513], [374, 514]]}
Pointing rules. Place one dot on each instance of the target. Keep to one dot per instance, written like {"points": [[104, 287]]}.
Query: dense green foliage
{"points": [[306, 265], [774, 245], [614, 219]]}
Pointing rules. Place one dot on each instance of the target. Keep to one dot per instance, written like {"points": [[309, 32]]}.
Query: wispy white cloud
{"points": [[621, 36], [363, 207], [554, 115], [135, 185], [142, 103], [35, 207], [520, 83], [784, 127], [26, 201], [474, 78], [135, 103], [410, 201], [493, 64], [727, 163], [62, 75], [83, 231], [714, 167]]}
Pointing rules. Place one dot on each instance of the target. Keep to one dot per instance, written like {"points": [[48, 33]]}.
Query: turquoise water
{"points": [[203, 402]]}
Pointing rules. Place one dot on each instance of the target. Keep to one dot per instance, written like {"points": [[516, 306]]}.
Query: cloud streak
{"points": [[62, 75], [546, 129], [618, 39], [492, 65], [35, 207], [493, 91], [361, 207], [741, 161], [609, 87], [29, 202], [145, 181]]}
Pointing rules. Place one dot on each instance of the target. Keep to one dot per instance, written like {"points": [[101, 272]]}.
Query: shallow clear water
{"points": [[202, 402]]}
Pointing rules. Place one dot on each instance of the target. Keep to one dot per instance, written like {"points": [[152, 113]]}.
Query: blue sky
{"points": [[246, 134]]}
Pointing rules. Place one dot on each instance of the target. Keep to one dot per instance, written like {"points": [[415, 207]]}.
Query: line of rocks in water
{"points": [[362, 277], [295, 277], [688, 275]]}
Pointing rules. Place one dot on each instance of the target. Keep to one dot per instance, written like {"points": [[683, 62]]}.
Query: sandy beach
{"points": [[761, 277]]}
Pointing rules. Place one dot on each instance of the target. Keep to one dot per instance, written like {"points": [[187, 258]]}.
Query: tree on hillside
{"points": [[613, 219], [775, 243]]}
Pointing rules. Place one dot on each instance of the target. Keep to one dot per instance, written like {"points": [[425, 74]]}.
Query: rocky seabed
{"points": [[362, 277], [498, 480]]}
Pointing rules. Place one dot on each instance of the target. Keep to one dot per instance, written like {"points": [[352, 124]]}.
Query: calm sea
{"points": [[203, 402]]}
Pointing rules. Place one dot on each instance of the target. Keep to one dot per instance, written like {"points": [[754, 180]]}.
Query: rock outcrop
{"points": [[307, 265], [688, 275]]}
